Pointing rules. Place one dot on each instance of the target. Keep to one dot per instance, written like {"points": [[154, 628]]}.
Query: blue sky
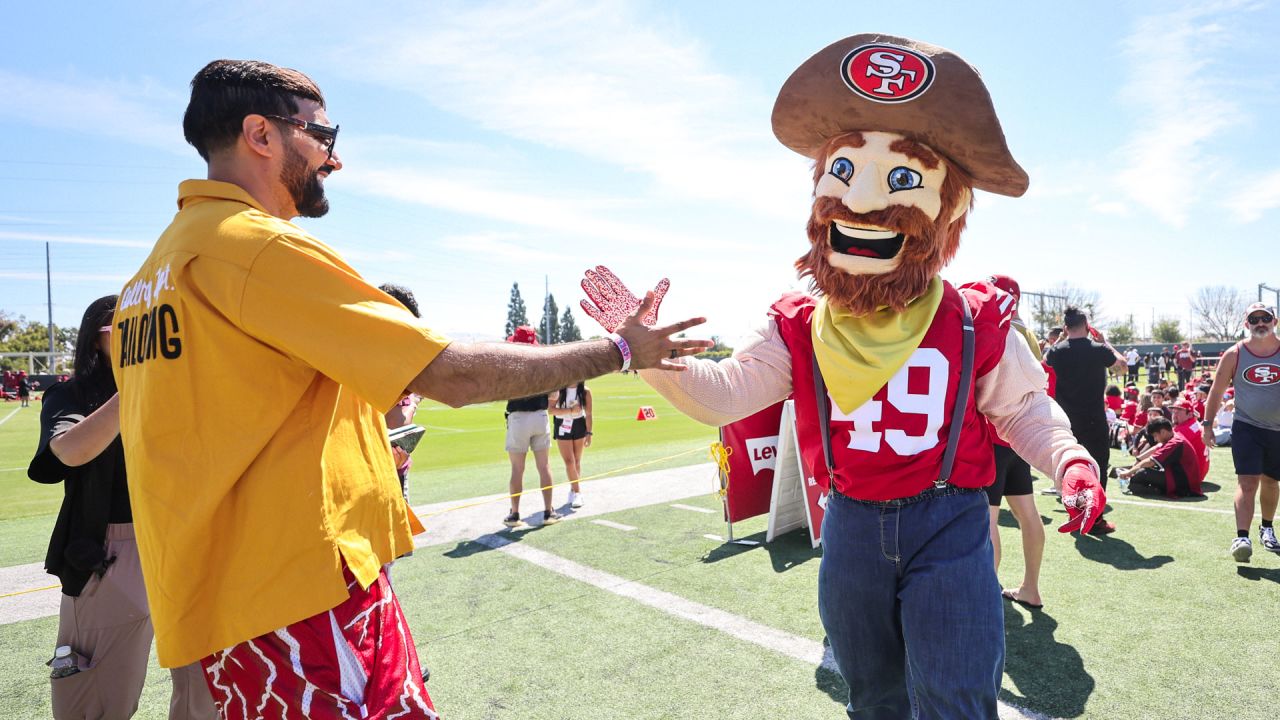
{"points": [[487, 143]]}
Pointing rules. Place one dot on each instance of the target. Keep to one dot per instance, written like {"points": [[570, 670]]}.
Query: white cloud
{"points": [[1260, 194], [1181, 107], [74, 239], [596, 80], [126, 111]]}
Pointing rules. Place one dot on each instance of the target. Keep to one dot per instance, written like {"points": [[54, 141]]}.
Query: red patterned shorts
{"points": [[356, 661]]}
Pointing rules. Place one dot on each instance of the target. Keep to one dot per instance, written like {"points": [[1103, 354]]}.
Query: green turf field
{"points": [[1154, 621]]}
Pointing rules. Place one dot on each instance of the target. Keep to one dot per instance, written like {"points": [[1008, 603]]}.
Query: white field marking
{"points": [[614, 525], [11, 469], [1170, 506], [679, 506], [717, 538], [805, 650], [437, 428], [6, 417]]}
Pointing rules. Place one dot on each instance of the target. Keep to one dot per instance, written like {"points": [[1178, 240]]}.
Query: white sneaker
{"points": [[1241, 549], [1269, 540], [575, 499]]}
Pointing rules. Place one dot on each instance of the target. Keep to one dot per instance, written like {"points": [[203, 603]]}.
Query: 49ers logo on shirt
{"points": [[886, 73], [1262, 374]]}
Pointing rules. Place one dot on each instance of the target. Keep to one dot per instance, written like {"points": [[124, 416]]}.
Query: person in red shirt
{"points": [[1187, 424], [1173, 468], [1113, 398]]}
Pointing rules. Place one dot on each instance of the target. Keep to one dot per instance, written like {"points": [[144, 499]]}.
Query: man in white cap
{"points": [[894, 374], [1253, 367]]}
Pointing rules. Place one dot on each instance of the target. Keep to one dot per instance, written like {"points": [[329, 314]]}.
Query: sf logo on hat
{"points": [[1266, 374], [886, 73]]}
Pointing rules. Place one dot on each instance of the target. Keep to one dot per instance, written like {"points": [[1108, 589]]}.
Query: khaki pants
{"points": [[109, 629]]}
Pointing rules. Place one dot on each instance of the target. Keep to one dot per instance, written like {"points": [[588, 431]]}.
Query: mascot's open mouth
{"points": [[866, 242]]}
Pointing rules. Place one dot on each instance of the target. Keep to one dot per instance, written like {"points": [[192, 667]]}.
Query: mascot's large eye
{"points": [[904, 178], [842, 168]]}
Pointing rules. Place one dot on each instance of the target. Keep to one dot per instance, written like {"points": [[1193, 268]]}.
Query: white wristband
{"points": [[623, 348]]}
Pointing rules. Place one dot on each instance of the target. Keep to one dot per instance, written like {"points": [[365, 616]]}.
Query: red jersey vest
{"points": [[891, 447]]}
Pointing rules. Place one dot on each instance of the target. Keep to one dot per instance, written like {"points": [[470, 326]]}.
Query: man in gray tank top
{"points": [[1253, 367]]}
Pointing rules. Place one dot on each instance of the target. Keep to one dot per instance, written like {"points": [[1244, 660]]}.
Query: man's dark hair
{"points": [[1074, 318], [225, 91], [404, 295], [1160, 423]]}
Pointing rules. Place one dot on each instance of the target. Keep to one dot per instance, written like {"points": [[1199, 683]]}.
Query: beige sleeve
{"points": [[718, 393], [1013, 397]]}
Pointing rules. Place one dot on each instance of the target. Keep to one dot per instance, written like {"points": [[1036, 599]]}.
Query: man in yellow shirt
{"points": [[264, 521]]}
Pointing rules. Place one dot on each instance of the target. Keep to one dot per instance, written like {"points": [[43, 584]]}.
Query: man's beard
{"points": [[304, 184], [927, 247], [1260, 331]]}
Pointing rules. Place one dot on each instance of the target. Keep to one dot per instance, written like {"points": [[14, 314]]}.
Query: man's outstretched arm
{"points": [[463, 374]]}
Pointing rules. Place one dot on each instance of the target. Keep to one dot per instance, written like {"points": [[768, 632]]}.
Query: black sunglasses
{"points": [[1261, 319], [327, 135]]}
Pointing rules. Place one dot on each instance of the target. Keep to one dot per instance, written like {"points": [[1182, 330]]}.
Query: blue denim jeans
{"points": [[908, 595]]}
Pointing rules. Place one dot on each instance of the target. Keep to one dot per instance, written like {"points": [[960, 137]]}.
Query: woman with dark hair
{"points": [[104, 626], [571, 420]]}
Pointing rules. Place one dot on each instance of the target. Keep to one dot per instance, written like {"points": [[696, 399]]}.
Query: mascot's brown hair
{"points": [[929, 244]]}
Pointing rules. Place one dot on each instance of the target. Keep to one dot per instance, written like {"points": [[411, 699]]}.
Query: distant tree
{"points": [[1217, 311], [1167, 330], [516, 313], [549, 328], [568, 328], [19, 335], [1046, 312], [1121, 333]]}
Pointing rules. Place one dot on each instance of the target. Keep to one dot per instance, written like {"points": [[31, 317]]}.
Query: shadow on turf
{"points": [[1117, 553], [785, 552], [1251, 573], [1049, 674]]}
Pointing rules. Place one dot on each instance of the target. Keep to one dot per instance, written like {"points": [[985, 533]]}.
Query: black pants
{"points": [[1133, 373], [1096, 439]]}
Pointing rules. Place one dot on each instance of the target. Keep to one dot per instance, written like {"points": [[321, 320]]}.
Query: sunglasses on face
{"points": [[328, 136], [1261, 319]]}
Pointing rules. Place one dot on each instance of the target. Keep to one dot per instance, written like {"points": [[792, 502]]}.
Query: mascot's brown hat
{"points": [[881, 82]]}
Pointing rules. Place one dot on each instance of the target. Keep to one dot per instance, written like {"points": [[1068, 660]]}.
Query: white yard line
{"points": [[805, 650], [614, 525], [691, 508], [1170, 506], [6, 417]]}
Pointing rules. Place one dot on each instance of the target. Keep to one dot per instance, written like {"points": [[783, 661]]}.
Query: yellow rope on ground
{"points": [[24, 592], [539, 489]]}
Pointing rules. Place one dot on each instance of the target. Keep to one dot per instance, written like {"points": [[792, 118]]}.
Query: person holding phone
{"points": [[571, 421]]}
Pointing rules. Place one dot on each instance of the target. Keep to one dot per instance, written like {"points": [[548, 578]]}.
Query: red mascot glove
{"points": [[610, 302], [1082, 496]]}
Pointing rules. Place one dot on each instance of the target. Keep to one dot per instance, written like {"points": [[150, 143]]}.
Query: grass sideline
{"points": [[1154, 621]]}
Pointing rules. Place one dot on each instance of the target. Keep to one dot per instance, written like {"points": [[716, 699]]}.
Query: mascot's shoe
{"points": [[1241, 549], [1269, 541], [1102, 527]]}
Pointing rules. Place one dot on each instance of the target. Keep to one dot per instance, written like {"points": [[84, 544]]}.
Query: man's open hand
{"points": [[653, 347]]}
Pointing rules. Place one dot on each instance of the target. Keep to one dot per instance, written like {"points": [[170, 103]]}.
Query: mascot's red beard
{"points": [[928, 247]]}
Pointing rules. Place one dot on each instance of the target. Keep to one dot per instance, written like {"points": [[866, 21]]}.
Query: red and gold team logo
{"points": [[1262, 374], [886, 73]]}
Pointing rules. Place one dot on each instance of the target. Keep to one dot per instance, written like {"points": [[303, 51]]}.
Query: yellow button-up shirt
{"points": [[254, 367]]}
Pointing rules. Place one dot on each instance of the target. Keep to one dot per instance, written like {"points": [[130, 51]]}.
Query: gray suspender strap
{"points": [[962, 397], [957, 411], [824, 417]]}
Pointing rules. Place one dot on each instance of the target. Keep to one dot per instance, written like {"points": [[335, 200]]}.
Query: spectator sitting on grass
{"points": [[1172, 467], [1222, 426]]}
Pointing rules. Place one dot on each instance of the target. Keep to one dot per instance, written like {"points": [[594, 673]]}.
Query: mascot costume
{"points": [[898, 378]]}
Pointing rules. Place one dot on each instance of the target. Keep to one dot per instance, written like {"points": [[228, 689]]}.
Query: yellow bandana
{"points": [[858, 355]]}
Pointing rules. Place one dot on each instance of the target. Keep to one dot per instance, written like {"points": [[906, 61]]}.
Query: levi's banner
{"points": [[753, 452]]}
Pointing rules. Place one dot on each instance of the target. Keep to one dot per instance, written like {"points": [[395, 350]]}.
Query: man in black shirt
{"points": [[1081, 364]]}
